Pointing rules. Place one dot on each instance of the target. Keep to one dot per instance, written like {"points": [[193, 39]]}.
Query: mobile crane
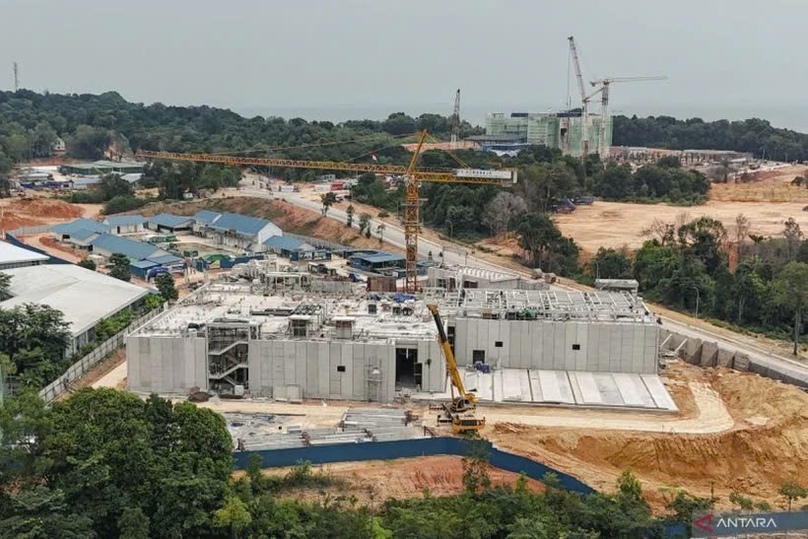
{"points": [[414, 178], [461, 410]]}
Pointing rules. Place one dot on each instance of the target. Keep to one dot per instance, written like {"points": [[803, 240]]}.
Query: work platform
{"points": [[565, 388]]}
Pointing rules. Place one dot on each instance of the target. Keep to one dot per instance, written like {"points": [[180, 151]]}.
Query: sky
{"points": [[337, 59]]}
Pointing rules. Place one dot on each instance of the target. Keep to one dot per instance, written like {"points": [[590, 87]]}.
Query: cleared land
{"points": [[615, 224], [770, 186], [766, 444], [372, 482]]}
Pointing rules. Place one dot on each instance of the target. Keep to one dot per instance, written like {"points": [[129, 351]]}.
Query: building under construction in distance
{"points": [[563, 130]]}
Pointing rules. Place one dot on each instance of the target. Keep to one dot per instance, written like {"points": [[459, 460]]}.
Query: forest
{"points": [[105, 463], [754, 136]]}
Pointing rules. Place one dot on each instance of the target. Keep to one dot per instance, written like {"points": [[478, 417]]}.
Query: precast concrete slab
{"points": [[569, 388]]}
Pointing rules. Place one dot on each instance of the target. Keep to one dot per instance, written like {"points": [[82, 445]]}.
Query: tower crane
{"points": [[455, 122], [603, 87], [414, 178]]}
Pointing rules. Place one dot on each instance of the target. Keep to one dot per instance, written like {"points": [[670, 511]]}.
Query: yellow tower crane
{"points": [[413, 176]]}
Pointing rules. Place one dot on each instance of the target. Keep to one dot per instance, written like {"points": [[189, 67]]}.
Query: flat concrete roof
{"points": [[11, 254], [84, 296]]}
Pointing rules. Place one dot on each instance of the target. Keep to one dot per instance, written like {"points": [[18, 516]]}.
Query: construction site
{"points": [[583, 381]]}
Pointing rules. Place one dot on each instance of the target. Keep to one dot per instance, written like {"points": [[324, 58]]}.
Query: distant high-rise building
{"points": [[562, 130]]}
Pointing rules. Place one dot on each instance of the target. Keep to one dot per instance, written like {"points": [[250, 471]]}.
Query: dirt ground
{"points": [[771, 186], [766, 444], [372, 482], [19, 212], [615, 224]]}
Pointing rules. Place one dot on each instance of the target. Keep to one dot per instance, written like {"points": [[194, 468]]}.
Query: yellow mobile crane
{"points": [[461, 410], [413, 177]]}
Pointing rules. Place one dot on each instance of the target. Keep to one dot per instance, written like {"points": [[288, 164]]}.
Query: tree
{"points": [[88, 142], [742, 226], [5, 284], [87, 263], [34, 338], [475, 467], [611, 264], [380, 231], [112, 185], [364, 224], [165, 284], [109, 451], [41, 512], [133, 524], [791, 292], [328, 200], [793, 236], [544, 244], [792, 491], [499, 212], [349, 212], [119, 267], [233, 515]]}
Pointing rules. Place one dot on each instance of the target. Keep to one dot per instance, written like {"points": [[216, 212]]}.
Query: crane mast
{"points": [[584, 99], [455, 121], [604, 85]]}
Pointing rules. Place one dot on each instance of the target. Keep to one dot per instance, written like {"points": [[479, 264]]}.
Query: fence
{"points": [[27, 230], [77, 369], [408, 448]]}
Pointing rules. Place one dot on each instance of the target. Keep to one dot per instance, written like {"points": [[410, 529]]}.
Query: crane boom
{"points": [[576, 63], [451, 363], [584, 98], [413, 179], [474, 176], [455, 121]]}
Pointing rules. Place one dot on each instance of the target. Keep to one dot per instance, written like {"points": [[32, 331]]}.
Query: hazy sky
{"points": [[733, 58]]}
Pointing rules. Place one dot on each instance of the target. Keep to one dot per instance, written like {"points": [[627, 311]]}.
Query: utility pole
{"points": [[16, 77]]}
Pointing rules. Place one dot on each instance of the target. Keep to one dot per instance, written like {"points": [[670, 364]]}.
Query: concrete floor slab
{"points": [[657, 390], [608, 389], [573, 388]]}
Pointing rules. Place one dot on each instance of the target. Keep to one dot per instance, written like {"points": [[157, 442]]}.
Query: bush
{"points": [[121, 204], [90, 196]]}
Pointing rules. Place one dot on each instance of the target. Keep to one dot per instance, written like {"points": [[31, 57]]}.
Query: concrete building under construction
{"points": [[540, 346], [562, 130]]}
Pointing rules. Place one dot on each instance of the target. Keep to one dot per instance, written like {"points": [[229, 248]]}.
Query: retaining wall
{"points": [[710, 354]]}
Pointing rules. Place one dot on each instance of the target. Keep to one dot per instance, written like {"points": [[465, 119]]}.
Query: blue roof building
{"points": [[376, 260], [296, 249], [169, 222], [66, 230], [233, 230], [125, 224], [117, 220], [107, 245], [206, 216]]}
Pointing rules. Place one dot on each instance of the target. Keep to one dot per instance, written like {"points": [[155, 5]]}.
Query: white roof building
{"points": [[12, 256], [84, 296]]}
